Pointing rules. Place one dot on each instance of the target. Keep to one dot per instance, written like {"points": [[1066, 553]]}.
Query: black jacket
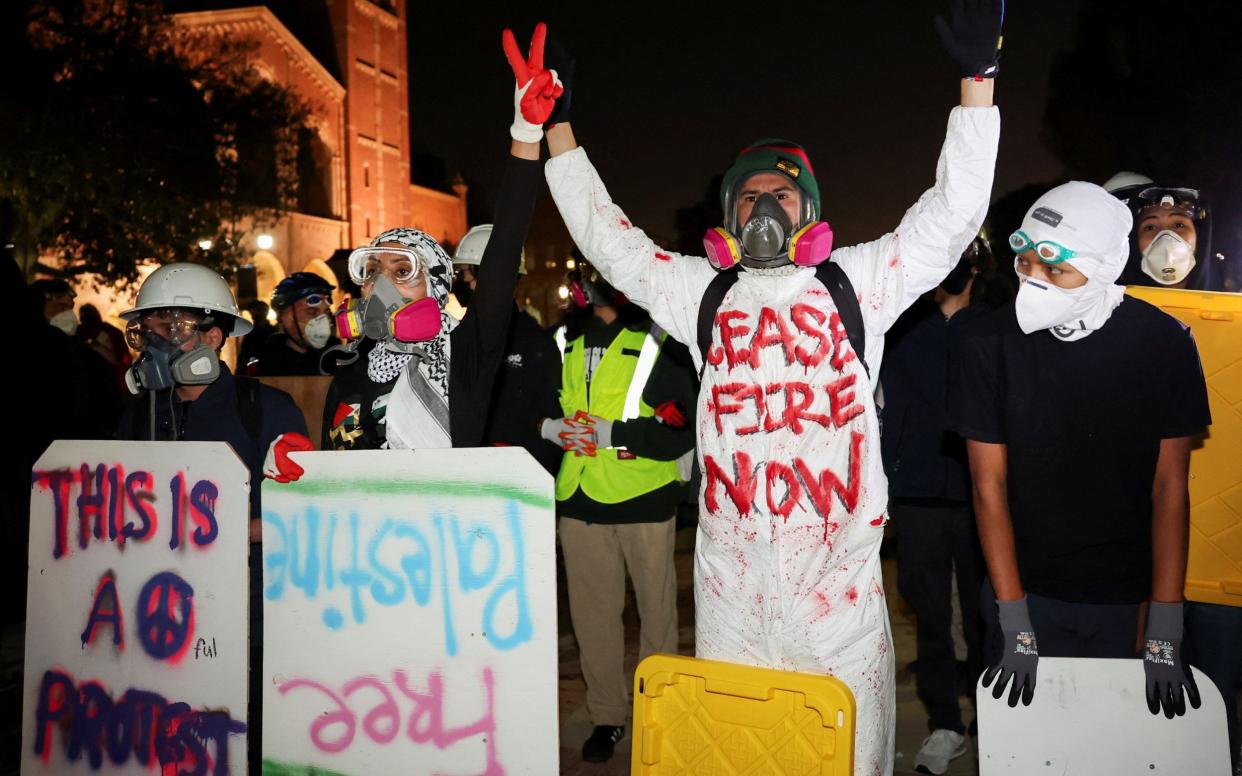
{"points": [[527, 390]]}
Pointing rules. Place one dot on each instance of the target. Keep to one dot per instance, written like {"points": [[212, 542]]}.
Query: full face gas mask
{"points": [[163, 364], [768, 240]]}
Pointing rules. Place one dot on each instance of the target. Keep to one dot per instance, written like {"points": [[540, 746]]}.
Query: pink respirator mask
{"points": [[810, 246], [386, 315]]}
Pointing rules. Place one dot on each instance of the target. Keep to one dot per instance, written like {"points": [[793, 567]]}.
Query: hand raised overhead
{"points": [[536, 89]]}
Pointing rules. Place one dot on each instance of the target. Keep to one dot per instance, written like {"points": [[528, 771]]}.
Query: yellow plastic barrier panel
{"points": [[696, 716], [1214, 571]]}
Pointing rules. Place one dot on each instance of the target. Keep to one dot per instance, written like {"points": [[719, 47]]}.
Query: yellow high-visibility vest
{"points": [[615, 394]]}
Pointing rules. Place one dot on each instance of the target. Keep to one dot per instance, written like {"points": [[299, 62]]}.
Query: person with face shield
{"points": [[1080, 477], [1171, 246], [794, 498], [184, 392], [303, 305], [427, 381]]}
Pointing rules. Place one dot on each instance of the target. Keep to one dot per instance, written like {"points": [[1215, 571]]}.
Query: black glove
{"points": [[1166, 670], [973, 38], [1021, 657], [555, 57]]}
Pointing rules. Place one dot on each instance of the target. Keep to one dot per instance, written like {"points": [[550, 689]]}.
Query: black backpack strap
{"points": [[712, 298], [250, 407], [842, 291]]}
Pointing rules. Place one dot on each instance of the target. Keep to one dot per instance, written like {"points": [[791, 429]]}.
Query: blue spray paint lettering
{"points": [[477, 569]]}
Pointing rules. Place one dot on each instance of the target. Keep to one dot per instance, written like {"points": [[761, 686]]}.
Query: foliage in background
{"points": [[125, 138]]}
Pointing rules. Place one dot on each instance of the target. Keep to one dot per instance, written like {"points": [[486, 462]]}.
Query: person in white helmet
{"points": [[1080, 477], [529, 380], [184, 392], [794, 498], [1171, 245]]}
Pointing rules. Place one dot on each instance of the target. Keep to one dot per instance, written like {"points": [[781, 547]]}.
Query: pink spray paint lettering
{"points": [[335, 730]]}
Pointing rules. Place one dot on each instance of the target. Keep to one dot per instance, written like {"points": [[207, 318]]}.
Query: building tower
{"points": [[370, 45]]}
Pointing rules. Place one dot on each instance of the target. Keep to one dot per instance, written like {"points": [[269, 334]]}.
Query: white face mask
{"points": [[1069, 313], [318, 331], [66, 321], [1168, 258]]}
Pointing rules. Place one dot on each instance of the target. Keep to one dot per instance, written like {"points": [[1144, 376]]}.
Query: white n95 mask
{"points": [[1168, 258], [318, 331]]}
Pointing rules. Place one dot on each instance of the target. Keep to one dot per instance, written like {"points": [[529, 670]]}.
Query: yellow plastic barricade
{"points": [[698, 717], [1214, 572]]}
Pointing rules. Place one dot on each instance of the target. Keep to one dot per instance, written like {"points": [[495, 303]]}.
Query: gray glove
{"points": [[1021, 657], [1169, 678], [560, 432]]}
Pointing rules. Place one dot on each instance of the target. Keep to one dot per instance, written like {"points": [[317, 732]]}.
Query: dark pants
{"points": [[932, 541], [1214, 646], [1065, 629]]}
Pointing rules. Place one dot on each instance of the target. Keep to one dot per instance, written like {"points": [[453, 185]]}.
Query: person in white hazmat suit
{"points": [[787, 567]]}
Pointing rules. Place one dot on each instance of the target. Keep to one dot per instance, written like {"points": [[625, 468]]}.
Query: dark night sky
{"points": [[667, 92]]}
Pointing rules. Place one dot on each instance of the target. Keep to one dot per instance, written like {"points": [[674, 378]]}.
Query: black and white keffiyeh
{"points": [[433, 364]]}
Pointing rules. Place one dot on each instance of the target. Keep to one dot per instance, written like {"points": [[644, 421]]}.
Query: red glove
{"points": [[671, 414], [536, 90], [278, 465]]}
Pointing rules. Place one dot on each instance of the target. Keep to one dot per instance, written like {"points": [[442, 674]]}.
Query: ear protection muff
{"points": [[723, 250], [811, 245]]}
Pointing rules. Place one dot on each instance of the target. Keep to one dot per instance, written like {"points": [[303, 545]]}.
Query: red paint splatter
{"points": [[623, 223], [663, 256], [893, 262], [852, 594]]}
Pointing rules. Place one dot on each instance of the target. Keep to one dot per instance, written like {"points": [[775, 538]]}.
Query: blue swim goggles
{"points": [[1047, 250]]}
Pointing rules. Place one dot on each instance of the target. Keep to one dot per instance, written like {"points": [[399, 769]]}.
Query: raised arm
{"points": [[893, 271], [668, 285]]}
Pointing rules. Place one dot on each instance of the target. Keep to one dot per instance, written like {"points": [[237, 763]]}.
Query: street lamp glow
{"points": [[563, 292], [265, 242], [205, 245], [570, 263]]}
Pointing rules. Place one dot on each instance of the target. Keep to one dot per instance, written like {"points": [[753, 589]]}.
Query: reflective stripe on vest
{"points": [[606, 477], [642, 372]]}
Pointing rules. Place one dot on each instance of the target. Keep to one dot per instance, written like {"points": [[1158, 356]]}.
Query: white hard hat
{"points": [[1125, 180], [470, 249], [190, 286]]}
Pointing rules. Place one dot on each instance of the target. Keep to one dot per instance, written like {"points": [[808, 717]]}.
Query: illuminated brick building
{"points": [[354, 168]]}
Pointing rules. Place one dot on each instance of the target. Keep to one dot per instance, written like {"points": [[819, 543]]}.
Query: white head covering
{"points": [[1096, 226]]}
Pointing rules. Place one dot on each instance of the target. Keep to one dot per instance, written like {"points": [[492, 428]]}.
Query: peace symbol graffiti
{"points": [[165, 615]]}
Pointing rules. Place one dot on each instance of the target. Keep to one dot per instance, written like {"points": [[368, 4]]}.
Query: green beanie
{"points": [[772, 155]]}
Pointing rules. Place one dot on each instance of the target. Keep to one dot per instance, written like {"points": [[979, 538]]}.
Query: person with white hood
{"points": [[1079, 453], [793, 501]]}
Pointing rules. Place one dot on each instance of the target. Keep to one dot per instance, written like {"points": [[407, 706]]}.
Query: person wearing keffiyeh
{"points": [[436, 393]]}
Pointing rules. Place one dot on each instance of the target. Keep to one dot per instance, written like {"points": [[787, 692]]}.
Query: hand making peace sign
{"points": [[536, 89]]}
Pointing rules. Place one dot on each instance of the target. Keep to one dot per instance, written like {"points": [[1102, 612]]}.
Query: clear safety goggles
{"points": [[403, 266], [1048, 251], [175, 326]]}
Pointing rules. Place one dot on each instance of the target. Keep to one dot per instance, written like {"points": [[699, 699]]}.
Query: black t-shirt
{"points": [[1082, 423]]}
